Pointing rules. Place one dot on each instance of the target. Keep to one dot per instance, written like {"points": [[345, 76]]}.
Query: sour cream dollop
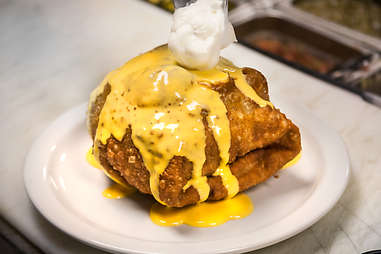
{"points": [[198, 33]]}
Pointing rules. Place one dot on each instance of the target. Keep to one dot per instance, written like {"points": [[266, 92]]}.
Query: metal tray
{"points": [[354, 57], [371, 88], [287, 6], [341, 54], [296, 44]]}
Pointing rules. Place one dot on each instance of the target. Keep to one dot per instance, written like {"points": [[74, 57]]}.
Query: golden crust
{"points": [[262, 141]]}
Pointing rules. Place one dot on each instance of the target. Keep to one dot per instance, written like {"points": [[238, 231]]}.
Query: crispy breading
{"points": [[262, 141]]}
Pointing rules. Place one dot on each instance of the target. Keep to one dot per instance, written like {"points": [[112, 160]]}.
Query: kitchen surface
{"points": [[54, 53]]}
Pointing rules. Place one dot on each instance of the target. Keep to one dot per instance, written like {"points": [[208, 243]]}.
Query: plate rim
{"points": [[243, 245]]}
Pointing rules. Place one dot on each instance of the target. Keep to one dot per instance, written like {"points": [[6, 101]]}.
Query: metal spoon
{"points": [[183, 3]]}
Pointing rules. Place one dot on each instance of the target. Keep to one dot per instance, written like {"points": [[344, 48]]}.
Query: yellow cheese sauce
{"points": [[162, 102], [240, 82], [206, 214], [293, 161], [91, 159], [117, 191]]}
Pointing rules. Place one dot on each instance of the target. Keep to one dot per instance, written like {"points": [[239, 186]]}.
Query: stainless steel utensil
{"points": [[182, 3]]}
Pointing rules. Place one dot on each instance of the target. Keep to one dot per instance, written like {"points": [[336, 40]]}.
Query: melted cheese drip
{"points": [[91, 159], [117, 191], [240, 82], [206, 214], [95, 163], [293, 161], [162, 103]]}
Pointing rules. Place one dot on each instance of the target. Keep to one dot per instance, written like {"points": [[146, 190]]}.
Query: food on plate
{"points": [[205, 214], [186, 136], [185, 125]]}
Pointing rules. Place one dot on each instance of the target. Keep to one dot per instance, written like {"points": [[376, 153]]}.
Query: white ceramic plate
{"points": [[68, 192]]}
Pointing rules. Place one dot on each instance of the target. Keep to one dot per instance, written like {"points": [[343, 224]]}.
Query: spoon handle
{"points": [[182, 3]]}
